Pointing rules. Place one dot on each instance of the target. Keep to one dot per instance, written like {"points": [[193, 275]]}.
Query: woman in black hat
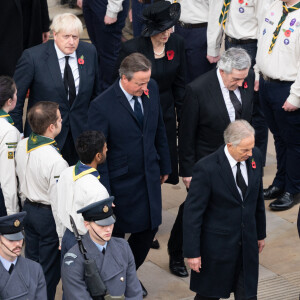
{"points": [[166, 53]]}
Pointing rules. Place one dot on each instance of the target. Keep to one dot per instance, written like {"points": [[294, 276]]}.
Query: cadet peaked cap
{"points": [[11, 226], [99, 212]]}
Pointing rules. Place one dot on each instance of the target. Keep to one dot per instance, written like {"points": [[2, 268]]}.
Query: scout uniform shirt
{"points": [[9, 138], [241, 17], [25, 282], [39, 165], [283, 62], [77, 187]]}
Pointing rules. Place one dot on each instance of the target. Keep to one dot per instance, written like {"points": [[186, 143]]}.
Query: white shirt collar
{"points": [[6, 263], [128, 96], [61, 55], [221, 82], [231, 160]]}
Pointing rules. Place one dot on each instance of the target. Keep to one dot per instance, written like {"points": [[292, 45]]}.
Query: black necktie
{"points": [[103, 251], [11, 268], [69, 81], [236, 104], [240, 181], [138, 110]]}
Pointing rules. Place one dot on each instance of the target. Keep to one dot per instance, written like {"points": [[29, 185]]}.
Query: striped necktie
{"points": [[285, 12], [224, 13]]}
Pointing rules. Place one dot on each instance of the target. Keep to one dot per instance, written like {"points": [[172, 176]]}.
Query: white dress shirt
{"points": [[72, 63], [129, 98], [233, 166], [225, 92], [6, 263]]}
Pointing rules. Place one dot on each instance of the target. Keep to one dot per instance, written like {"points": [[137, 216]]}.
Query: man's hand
{"points": [[45, 36], [261, 245], [256, 85], [141, 1], [187, 181], [213, 59], [163, 178], [195, 264], [108, 20], [289, 107], [79, 3]]}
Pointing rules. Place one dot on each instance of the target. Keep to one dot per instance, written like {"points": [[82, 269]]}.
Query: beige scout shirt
{"points": [[284, 61], [9, 137], [74, 194], [38, 173], [242, 23]]}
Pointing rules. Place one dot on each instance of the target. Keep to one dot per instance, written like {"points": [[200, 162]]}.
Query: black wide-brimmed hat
{"points": [[159, 17]]}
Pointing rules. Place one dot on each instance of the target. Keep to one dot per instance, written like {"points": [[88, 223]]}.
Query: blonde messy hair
{"points": [[66, 22]]}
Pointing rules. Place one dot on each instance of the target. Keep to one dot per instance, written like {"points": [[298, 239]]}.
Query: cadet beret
{"points": [[99, 212], [11, 226]]}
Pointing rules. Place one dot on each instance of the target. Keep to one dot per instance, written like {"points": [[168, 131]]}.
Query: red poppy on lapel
{"points": [[253, 164], [146, 92], [245, 85], [81, 60], [170, 54]]}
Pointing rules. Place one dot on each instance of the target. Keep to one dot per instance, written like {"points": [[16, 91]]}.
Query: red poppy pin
{"points": [[253, 164], [170, 54], [146, 92], [245, 85], [287, 33], [81, 60]]}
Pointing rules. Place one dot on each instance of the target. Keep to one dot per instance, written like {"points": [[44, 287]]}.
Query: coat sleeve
{"points": [[23, 77], [133, 286], [161, 142], [98, 121], [8, 177], [41, 290], [72, 276], [194, 209], [188, 133], [45, 16], [96, 88]]}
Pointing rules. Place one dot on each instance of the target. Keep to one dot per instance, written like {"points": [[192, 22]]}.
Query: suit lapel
{"points": [[53, 65], [81, 69], [227, 175], [146, 107], [250, 176]]}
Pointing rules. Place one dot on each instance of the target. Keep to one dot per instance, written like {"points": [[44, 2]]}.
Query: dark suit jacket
{"points": [[38, 70], [205, 117], [221, 227], [136, 156], [170, 77]]}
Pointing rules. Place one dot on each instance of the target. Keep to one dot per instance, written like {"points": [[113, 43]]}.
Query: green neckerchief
{"points": [[4, 114], [224, 13], [36, 141], [285, 12], [81, 170]]}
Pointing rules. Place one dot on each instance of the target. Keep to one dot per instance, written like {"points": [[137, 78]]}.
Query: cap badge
{"points": [[17, 223], [105, 209]]}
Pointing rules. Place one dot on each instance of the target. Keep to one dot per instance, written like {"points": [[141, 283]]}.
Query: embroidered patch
{"points": [[68, 262], [10, 155], [69, 254]]}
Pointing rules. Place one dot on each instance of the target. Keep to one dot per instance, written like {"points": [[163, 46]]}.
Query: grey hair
{"points": [[133, 63], [234, 58], [236, 131], [66, 22]]}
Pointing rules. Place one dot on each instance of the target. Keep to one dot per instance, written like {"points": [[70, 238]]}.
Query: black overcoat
{"points": [[221, 227]]}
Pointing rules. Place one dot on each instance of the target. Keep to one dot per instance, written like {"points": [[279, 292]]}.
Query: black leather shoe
{"points": [[285, 201], [145, 293], [272, 192], [155, 244], [177, 267]]}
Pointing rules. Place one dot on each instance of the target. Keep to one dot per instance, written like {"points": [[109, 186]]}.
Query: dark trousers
{"points": [[140, 244], [195, 51], [2, 205], [285, 127], [137, 17], [42, 244], [258, 118], [68, 241], [68, 151], [106, 38]]}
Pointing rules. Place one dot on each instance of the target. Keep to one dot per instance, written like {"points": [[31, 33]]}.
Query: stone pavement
{"points": [[279, 261]]}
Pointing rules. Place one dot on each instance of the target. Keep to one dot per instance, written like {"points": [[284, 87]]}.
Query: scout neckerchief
{"points": [[224, 13], [4, 114], [285, 12], [81, 169], [36, 141]]}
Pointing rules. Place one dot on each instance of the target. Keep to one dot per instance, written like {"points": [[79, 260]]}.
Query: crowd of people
{"points": [[89, 132]]}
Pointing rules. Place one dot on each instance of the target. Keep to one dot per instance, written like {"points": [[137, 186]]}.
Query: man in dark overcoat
{"points": [[224, 223], [138, 159]]}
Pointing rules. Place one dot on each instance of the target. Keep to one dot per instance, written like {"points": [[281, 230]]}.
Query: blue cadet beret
{"points": [[11, 226], [99, 212]]}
